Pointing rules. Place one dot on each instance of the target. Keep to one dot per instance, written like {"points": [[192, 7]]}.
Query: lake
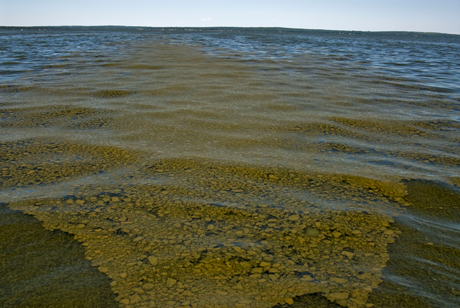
{"points": [[229, 167]]}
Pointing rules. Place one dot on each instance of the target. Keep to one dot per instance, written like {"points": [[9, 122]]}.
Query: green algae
{"points": [[15, 88], [205, 222], [112, 93]]}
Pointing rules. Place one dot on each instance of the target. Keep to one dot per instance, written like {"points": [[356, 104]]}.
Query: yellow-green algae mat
{"points": [[182, 233]]}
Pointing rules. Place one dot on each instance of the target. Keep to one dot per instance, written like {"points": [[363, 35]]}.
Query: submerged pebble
{"points": [[229, 253]]}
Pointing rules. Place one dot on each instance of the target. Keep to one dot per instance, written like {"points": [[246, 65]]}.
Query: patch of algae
{"points": [[370, 130], [15, 88], [316, 300], [38, 162], [134, 66], [430, 158], [455, 181], [49, 116], [392, 190], [113, 93], [205, 235], [144, 67], [393, 127], [110, 64], [340, 147]]}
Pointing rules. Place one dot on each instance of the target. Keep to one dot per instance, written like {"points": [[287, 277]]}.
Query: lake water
{"points": [[229, 167]]}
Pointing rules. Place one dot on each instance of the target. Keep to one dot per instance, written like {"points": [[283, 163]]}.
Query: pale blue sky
{"points": [[368, 15]]}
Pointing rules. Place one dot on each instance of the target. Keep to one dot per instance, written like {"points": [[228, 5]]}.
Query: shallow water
{"points": [[239, 167]]}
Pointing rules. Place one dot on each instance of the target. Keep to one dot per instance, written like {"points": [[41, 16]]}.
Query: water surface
{"points": [[240, 167]]}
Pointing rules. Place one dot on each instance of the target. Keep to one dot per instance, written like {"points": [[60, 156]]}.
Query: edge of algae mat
{"points": [[46, 269], [154, 246], [438, 203]]}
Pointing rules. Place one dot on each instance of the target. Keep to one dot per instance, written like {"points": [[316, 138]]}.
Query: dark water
{"points": [[236, 167]]}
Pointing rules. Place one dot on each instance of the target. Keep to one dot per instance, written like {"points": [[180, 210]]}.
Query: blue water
{"points": [[426, 59]]}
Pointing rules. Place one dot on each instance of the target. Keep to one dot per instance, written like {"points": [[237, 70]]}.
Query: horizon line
{"points": [[239, 27]]}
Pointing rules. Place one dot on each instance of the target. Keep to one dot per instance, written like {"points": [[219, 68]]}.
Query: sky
{"points": [[365, 15]]}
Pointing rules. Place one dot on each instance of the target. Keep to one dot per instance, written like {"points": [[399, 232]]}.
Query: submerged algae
{"points": [[215, 241]]}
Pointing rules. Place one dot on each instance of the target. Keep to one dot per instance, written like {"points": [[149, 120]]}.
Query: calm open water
{"points": [[229, 168]]}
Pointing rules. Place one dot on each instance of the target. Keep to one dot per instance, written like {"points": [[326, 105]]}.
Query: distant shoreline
{"points": [[242, 29]]}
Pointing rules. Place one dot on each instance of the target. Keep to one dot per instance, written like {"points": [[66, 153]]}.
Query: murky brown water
{"points": [[200, 180]]}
